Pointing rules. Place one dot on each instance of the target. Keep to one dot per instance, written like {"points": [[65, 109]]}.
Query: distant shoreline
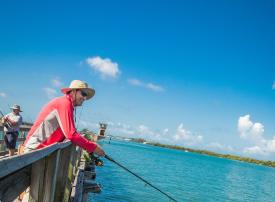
{"points": [[226, 156]]}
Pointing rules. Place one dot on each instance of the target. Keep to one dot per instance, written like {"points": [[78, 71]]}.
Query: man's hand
{"points": [[6, 122], [99, 151], [3, 120]]}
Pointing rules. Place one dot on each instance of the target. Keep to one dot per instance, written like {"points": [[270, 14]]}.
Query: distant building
{"points": [[102, 129]]}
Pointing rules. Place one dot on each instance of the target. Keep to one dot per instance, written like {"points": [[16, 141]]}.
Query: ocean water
{"points": [[183, 175]]}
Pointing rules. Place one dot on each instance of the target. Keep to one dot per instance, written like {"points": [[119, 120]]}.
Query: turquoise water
{"points": [[185, 176], [1, 135]]}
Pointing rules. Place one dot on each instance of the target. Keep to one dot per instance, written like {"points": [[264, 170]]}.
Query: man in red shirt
{"points": [[56, 121]]}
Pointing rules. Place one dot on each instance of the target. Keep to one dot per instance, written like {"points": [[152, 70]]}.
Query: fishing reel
{"points": [[6, 122], [97, 160]]}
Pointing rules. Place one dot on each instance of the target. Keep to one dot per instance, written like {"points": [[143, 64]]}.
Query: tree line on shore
{"points": [[205, 152], [227, 156]]}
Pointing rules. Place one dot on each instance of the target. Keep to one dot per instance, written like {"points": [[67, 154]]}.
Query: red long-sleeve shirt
{"points": [[54, 124]]}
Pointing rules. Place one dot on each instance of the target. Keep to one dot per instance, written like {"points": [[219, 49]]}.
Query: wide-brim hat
{"points": [[16, 107], [79, 85]]}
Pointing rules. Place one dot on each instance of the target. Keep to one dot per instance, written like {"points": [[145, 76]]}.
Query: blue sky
{"points": [[199, 74]]}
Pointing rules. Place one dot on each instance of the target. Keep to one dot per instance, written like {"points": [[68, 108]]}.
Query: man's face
{"points": [[80, 97], [15, 111]]}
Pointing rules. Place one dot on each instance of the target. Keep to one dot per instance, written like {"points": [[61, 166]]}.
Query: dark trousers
{"points": [[10, 139]]}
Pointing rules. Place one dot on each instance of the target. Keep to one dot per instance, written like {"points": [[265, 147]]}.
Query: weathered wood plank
{"points": [[63, 171], [52, 162], [37, 180], [76, 160], [12, 185], [11, 164], [50, 174], [77, 190], [71, 175]]}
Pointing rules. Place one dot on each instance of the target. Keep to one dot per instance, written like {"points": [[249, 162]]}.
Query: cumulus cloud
{"points": [[54, 88], [181, 136], [140, 131], [145, 132], [254, 150], [219, 146], [56, 82], [186, 137], [50, 92], [150, 86], [253, 133], [126, 130], [88, 124], [123, 129], [105, 67], [249, 130], [3, 95]]}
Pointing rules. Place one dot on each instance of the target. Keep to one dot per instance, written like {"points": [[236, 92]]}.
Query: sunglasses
{"points": [[83, 93]]}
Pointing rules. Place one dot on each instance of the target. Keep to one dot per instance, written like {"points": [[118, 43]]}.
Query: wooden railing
{"points": [[49, 173], [55, 173]]}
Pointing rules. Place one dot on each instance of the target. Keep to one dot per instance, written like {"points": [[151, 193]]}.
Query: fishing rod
{"points": [[7, 124], [112, 160]]}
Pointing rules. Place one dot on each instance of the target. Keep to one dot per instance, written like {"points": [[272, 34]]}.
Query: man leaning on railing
{"points": [[55, 122]]}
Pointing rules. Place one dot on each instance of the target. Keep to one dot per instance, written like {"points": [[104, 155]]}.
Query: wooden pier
{"points": [[55, 173]]}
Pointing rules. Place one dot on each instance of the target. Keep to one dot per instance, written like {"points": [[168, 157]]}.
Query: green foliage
{"points": [[227, 156], [87, 133], [86, 156], [139, 140]]}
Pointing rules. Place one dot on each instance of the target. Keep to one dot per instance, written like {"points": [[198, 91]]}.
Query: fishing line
{"points": [[75, 109], [80, 114], [112, 160], [76, 123]]}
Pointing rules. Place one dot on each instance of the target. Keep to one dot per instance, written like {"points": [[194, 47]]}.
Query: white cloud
{"points": [[219, 146], [122, 129], [150, 86], [250, 131], [140, 131], [244, 125], [3, 95], [186, 137], [56, 82], [105, 67], [50, 92], [253, 132], [89, 125], [180, 137], [154, 87], [254, 150], [135, 82], [273, 85]]}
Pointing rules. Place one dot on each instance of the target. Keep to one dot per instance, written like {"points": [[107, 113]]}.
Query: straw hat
{"points": [[16, 107], [77, 84]]}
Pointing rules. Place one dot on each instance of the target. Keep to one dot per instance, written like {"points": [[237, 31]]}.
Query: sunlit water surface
{"points": [[183, 175]]}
